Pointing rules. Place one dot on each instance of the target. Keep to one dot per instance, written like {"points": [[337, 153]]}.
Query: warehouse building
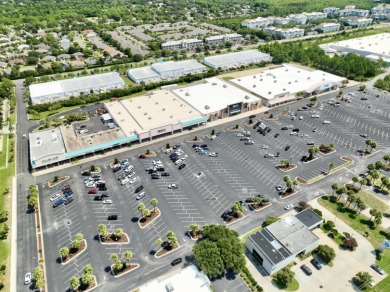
{"points": [[372, 47], [278, 244], [159, 113], [62, 89], [165, 71], [217, 99], [281, 85], [236, 60]]}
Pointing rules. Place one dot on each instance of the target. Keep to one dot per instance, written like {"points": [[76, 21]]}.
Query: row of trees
{"points": [[104, 235], [121, 263], [86, 280], [33, 197], [352, 197], [146, 212], [290, 184], [74, 247]]}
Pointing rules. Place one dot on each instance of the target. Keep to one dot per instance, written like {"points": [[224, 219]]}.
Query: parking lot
{"points": [[207, 186]]}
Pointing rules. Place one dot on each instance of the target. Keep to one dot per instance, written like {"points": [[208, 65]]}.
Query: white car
{"points": [[240, 135], [107, 202], [294, 133], [199, 174], [168, 150], [27, 279], [289, 206], [173, 186], [213, 137], [264, 147], [301, 118], [213, 154], [55, 197], [313, 112], [279, 187], [140, 196], [315, 116], [304, 135], [133, 180], [131, 174], [290, 126], [90, 185], [178, 161], [184, 157], [156, 162], [326, 122], [179, 151], [269, 155], [125, 181]]}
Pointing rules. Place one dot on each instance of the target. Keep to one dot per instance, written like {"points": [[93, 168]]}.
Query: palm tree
{"points": [[373, 146], [363, 181], [335, 186], [289, 185], [141, 208], [352, 198], [154, 203], [237, 208], [373, 212], [76, 244], [368, 143], [355, 179], [172, 239], [114, 258], [147, 213], [339, 192], [88, 269], [64, 252], [331, 166], [371, 167], [74, 283], [118, 233], [79, 236], [374, 175], [312, 151], [118, 265], [102, 228], [87, 279], [127, 256], [194, 228], [361, 206], [295, 183]]}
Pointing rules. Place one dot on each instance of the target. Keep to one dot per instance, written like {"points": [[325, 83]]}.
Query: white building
{"points": [[352, 11], [355, 21], [217, 99], [331, 10], [281, 85], [236, 59], [258, 22], [219, 39], [165, 71], [286, 33], [278, 244], [298, 18], [54, 90], [372, 47], [328, 27], [187, 44], [381, 12], [187, 279], [314, 15]]}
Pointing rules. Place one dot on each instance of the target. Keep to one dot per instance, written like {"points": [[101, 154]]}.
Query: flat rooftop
{"points": [[287, 79], [157, 109], [292, 234], [309, 218], [46, 143], [378, 44], [213, 95], [78, 83], [143, 72], [185, 65], [237, 57], [187, 279]]}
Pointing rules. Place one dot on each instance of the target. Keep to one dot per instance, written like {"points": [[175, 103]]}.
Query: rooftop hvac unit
{"points": [[145, 114], [224, 86], [284, 89], [207, 107], [171, 117], [254, 76], [163, 109], [187, 94], [119, 113], [149, 118], [254, 85], [239, 79], [156, 102], [308, 77], [139, 106], [214, 83], [275, 81], [269, 92], [296, 81], [289, 82], [247, 97], [299, 71]]}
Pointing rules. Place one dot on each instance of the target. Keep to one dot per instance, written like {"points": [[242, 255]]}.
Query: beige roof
{"points": [[157, 109]]}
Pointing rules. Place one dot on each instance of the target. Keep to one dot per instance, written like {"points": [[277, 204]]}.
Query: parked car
{"points": [[306, 269], [289, 206], [67, 187], [155, 176], [116, 168], [176, 146], [69, 200], [316, 264], [269, 155], [213, 154], [199, 174], [142, 156], [122, 176], [133, 180], [112, 217], [86, 173], [310, 143], [93, 191], [107, 202], [165, 174], [55, 197], [249, 143], [279, 187], [27, 279], [276, 135], [138, 189], [377, 269], [173, 186], [264, 147], [182, 166], [287, 148], [202, 153], [325, 122], [140, 196], [125, 181], [98, 198], [58, 203], [68, 193], [176, 261], [363, 135], [102, 188]]}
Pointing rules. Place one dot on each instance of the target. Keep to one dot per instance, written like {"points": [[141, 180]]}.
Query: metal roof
{"points": [[46, 143], [238, 57]]}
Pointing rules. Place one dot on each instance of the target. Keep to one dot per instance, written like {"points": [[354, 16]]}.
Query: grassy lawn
{"points": [[372, 201], [245, 236], [338, 239], [127, 81], [293, 286], [3, 154]]}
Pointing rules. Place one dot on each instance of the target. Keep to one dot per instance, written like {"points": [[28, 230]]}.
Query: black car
{"points": [[287, 147], [203, 146], [182, 166], [97, 198], [218, 134], [165, 174], [306, 269], [276, 135], [316, 264], [173, 155], [155, 176], [249, 200], [304, 107], [284, 128], [252, 116], [102, 188], [268, 130], [195, 145], [140, 188], [97, 176], [86, 173], [377, 269], [122, 176], [68, 200], [176, 146], [175, 159], [112, 217], [105, 195], [295, 130], [152, 171], [176, 261]]}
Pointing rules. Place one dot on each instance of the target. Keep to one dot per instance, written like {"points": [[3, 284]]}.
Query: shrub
{"points": [[318, 212]]}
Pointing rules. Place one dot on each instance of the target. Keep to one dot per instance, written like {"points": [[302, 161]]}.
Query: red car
{"points": [[142, 156], [67, 187], [92, 191]]}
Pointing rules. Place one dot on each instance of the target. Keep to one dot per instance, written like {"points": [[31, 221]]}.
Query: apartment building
{"points": [[355, 21], [331, 10], [381, 12], [328, 27], [258, 22], [286, 33], [351, 10]]}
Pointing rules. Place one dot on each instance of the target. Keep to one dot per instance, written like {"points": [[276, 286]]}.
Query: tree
{"points": [[141, 208], [385, 181], [114, 258], [118, 265], [326, 253], [87, 279], [38, 274], [351, 199], [378, 218], [295, 183], [40, 283], [154, 203], [92, 168], [303, 205], [312, 151], [350, 243], [362, 87], [103, 231], [284, 276], [313, 99], [116, 160], [79, 236], [362, 279], [118, 233], [335, 187], [147, 213], [172, 239], [237, 208], [270, 220], [194, 229], [88, 269], [339, 193], [64, 252], [375, 175], [363, 181], [355, 179], [361, 206], [380, 165], [127, 256], [56, 178], [331, 166], [207, 255], [373, 212], [74, 283]]}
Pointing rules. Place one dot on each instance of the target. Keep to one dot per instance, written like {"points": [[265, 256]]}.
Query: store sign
{"points": [[161, 130], [235, 107]]}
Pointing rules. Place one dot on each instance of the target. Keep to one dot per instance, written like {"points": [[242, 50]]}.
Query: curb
{"points": [[142, 227], [109, 243], [261, 209], [59, 182], [133, 269], [86, 246], [173, 250], [289, 196]]}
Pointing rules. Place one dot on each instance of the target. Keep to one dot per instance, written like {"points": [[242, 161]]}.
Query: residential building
{"points": [[314, 15], [286, 33], [300, 19], [278, 244], [352, 11], [381, 12], [219, 39], [187, 44], [165, 70], [355, 21], [331, 10], [236, 59], [258, 22], [328, 27]]}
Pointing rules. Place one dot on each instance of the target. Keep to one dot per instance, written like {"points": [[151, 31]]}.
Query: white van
{"points": [[326, 122]]}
